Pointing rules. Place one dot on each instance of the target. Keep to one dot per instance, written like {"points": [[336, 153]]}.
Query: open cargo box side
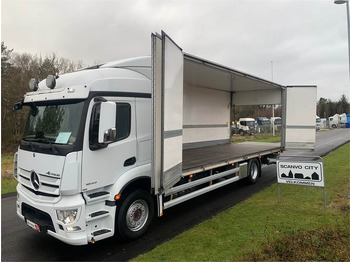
{"points": [[192, 110]]}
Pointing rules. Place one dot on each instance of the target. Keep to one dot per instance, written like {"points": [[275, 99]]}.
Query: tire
{"points": [[254, 171], [241, 132], [135, 215]]}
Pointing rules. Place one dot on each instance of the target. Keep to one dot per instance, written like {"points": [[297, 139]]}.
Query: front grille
{"points": [[38, 193], [38, 217], [49, 185]]}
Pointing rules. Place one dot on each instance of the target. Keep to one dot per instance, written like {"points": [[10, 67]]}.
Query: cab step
{"points": [[100, 232], [96, 197], [97, 215]]}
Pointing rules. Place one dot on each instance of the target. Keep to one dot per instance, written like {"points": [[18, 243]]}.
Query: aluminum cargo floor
{"points": [[202, 157]]}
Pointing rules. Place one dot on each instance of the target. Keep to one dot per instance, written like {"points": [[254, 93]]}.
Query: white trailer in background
{"points": [[107, 146], [343, 120]]}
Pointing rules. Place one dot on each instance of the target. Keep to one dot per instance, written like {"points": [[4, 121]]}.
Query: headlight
{"points": [[67, 216]]}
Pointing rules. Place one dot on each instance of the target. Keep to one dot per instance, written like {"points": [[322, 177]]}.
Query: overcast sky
{"points": [[306, 40]]}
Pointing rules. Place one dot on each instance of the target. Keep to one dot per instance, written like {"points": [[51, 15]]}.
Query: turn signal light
{"points": [[117, 197]]}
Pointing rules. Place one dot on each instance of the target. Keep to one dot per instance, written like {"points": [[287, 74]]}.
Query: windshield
{"points": [[278, 121], [53, 124], [265, 122]]}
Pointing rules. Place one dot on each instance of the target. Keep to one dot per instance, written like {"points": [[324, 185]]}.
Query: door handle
{"points": [[129, 162]]}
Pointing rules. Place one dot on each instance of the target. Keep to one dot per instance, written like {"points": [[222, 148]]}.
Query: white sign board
{"points": [[300, 173]]}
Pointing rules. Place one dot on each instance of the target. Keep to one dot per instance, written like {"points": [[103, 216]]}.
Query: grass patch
{"points": [[8, 185], [8, 182], [6, 163], [261, 229], [324, 244], [268, 138]]}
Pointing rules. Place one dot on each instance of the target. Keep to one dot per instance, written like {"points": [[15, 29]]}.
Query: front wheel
{"points": [[135, 215], [254, 171]]}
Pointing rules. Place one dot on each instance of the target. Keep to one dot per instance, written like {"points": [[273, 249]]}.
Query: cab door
{"points": [[103, 163]]}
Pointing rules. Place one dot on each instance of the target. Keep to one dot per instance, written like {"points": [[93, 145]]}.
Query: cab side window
{"points": [[123, 121], [123, 124]]}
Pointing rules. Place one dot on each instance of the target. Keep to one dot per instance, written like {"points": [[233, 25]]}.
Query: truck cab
{"points": [[246, 126], [276, 124], [334, 121], [264, 124], [60, 186]]}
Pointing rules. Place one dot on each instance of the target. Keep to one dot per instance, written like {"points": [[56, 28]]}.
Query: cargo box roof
{"points": [[204, 73]]}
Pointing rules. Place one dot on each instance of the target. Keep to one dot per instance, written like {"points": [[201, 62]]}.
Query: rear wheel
{"points": [[135, 215], [254, 171]]}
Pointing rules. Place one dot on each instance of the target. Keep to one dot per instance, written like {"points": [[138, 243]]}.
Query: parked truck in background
{"points": [[276, 124], [264, 125], [334, 121], [318, 123], [107, 147], [343, 120], [247, 126]]}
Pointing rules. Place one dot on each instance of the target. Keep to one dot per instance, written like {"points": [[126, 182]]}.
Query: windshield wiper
{"points": [[47, 140], [43, 140], [30, 143]]}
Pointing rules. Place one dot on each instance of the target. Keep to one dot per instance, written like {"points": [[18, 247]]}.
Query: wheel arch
{"points": [[143, 183]]}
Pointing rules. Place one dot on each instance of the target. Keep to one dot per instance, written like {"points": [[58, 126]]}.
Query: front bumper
{"points": [[47, 212]]}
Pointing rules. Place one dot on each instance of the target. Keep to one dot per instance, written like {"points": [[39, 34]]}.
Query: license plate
{"points": [[33, 225]]}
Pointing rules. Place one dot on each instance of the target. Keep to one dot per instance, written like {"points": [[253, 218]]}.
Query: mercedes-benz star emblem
{"points": [[35, 180]]}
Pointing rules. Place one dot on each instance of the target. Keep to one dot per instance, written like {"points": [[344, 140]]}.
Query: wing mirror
{"points": [[107, 129]]}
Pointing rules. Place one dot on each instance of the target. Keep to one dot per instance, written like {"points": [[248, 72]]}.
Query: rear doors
{"points": [[167, 112], [299, 117]]}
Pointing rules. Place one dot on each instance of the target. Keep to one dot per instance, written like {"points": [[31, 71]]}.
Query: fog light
{"points": [[67, 216], [76, 228]]}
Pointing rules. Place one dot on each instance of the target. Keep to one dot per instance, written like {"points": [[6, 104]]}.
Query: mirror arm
{"points": [[100, 99], [18, 105]]}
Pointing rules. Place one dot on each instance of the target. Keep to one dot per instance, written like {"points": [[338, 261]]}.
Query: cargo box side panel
{"points": [[300, 120], [206, 117]]}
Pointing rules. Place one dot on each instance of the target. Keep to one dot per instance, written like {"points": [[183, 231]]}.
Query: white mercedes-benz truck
{"points": [[105, 148]]}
